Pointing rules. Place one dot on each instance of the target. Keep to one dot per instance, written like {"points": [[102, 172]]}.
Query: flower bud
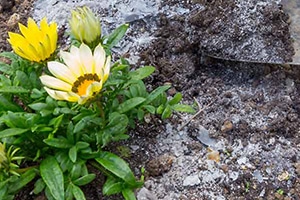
{"points": [[85, 26]]}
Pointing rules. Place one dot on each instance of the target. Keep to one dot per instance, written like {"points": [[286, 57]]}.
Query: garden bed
{"points": [[249, 111]]}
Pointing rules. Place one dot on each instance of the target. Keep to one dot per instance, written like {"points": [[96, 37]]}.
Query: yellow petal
{"points": [[20, 44], [53, 36], [32, 25], [37, 43], [44, 25], [25, 32]]}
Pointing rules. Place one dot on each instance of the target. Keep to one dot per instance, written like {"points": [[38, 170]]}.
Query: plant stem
{"points": [[19, 171], [102, 114]]}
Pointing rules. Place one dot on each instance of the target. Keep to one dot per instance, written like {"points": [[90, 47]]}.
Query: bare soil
{"points": [[250, 110]]}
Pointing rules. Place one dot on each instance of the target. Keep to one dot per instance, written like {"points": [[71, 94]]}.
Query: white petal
{"points": [[87, 58], [106, 68], [62, 72], [55, 83], [72, 97], [59, 95], [74, 50], [73, 62], [99, 55], [53, 94]]}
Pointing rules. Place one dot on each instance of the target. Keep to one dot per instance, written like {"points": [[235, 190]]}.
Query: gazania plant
{"points": [[60, 110]]}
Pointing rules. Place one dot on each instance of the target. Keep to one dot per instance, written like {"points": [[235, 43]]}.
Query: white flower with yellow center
{"points": [[81, 77]]}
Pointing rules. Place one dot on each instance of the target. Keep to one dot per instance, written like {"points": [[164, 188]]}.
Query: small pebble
{"points": [[297, 167], [191, 180], [227, 126], [13, 20]]}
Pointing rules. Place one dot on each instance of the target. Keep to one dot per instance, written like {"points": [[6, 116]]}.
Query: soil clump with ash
{"points": [[244, 30]]}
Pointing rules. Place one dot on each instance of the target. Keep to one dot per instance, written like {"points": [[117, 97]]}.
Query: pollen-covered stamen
{"points": [[82, 83]]}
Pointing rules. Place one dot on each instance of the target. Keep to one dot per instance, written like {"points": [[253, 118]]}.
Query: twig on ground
{"points": [[195, 115]]}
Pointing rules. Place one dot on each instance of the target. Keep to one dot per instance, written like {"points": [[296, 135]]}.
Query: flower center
{"points": [[82, 83]]}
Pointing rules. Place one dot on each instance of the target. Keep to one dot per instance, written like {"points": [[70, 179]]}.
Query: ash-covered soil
{"points": [[244, 30], [245, 142]]}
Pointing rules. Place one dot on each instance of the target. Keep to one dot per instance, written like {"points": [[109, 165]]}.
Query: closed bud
{"points": [[85, 26]]}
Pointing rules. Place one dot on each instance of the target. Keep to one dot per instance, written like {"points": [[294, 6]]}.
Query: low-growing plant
{"points": [[60, 110]]}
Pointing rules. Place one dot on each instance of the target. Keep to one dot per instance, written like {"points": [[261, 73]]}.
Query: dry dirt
{"points": [[250, 114]]}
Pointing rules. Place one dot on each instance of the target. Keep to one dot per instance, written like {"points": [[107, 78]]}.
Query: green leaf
{"points": [[118, 67], [39, 186], [84, 179], [117, 166], [155, 93], [77, 192], [112, 186], [64, 161], [167, 112], [48, 194], [68, 193], [128, 194], [6, 69], [10, 55], [141, 73], [53, 177], [82, 145], [140, 114], [73, 154], [22, 181], [4, 80], [183, 108], [38, 106], [134, 91], [13, 90], [12, 132], [6, 105], [22, 79], [116, 36], [176, 99], [137, 89], [83, 123], [76, 171], [116, 127], [149, 108], [3, 190], [130, 104], [61, 143], [34, 79], [56, 121], [35, 93]]}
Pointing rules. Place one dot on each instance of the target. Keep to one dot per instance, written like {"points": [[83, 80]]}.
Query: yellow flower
{"points": [[84, 25], [81, 77], [34, 43]]}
